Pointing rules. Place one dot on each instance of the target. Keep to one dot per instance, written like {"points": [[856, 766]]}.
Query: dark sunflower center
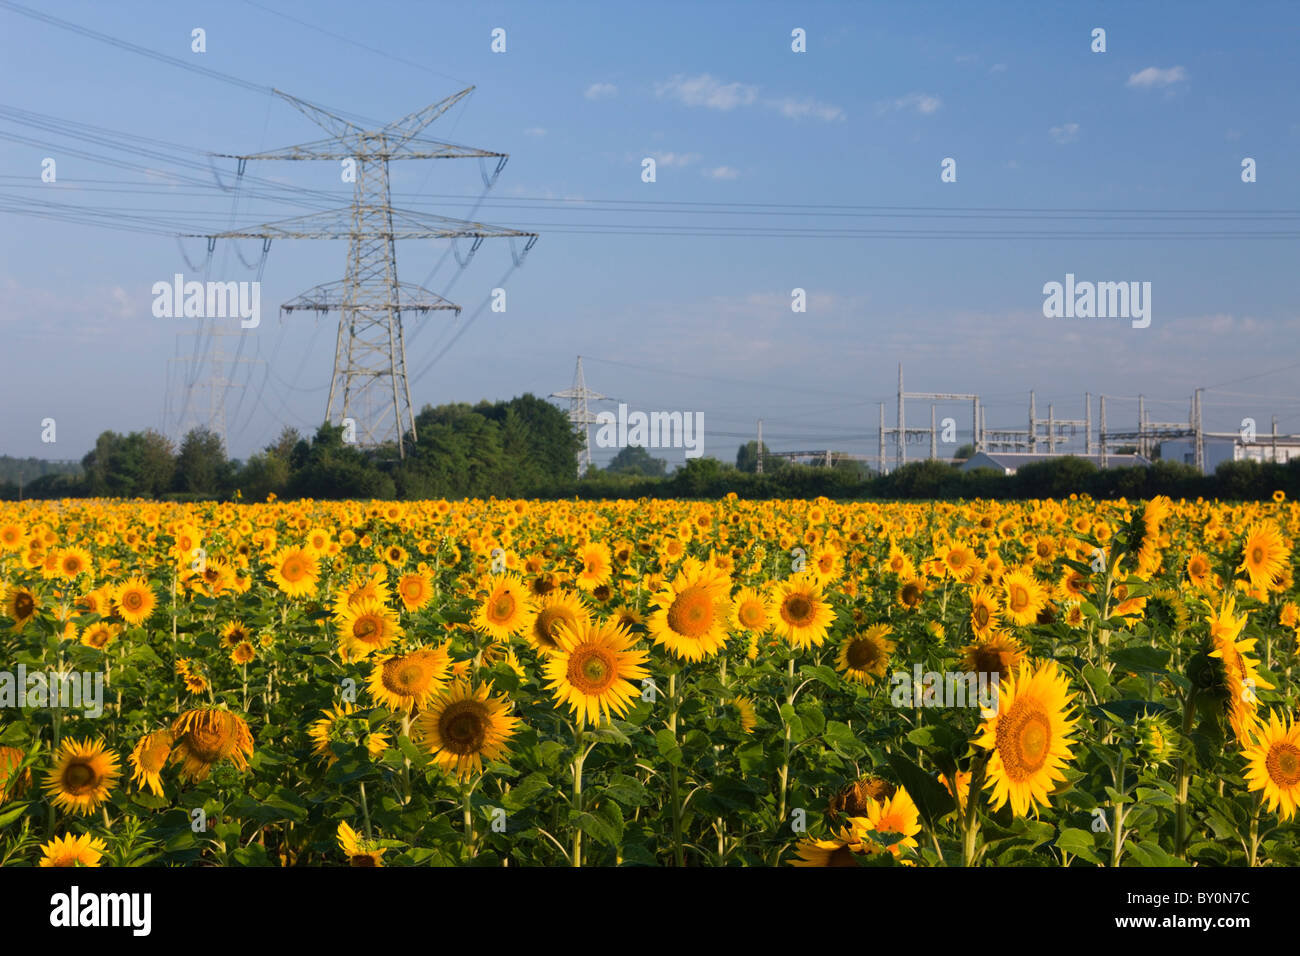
{"points": [[78, 777], [1283, 764], [862, 653], [1023, 738], [1019, 598], [463, 727], [24, 604], [591, 671]]}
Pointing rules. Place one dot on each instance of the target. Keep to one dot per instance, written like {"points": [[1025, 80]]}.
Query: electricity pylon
{"points": [[369, 383], [580, 416]]}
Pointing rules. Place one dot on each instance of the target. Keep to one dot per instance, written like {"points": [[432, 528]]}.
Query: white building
{"points": [[1219, 450]]}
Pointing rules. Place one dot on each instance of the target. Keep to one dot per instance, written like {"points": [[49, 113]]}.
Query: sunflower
{"points": [[205, 736], [864, 657], [12, 536], [13, 782], [366, 626], [148, 760], [74, 562], [1240, 670], [68, 850], [897, 814], [555, 610], [243, 652], [335, 726], [360, 852], [466, 725], [1265, 555], [597, 566], [999, 654], [403, 682], [911, 592], [593, 670], [692, 611], [415, 590], [21, 605], [507, 609], [1029, 736], [99, 635], [82, 776], [751, 611], [803, 617], [854, 799], [234, 633], [1024, 598], [843, 849], [1198, 569], [984, 611], [747, 713], [135, 601], [294, 571], [1274, 759]]}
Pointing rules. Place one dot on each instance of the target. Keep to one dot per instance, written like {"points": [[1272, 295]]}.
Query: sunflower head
{"points": [[83, 775], [205, 736]]}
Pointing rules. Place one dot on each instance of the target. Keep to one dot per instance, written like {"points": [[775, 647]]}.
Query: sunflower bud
{"points": [[1155, 741]]}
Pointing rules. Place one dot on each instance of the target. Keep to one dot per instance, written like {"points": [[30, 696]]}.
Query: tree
{"points": [[635, 460], [747, 458], [965, 451], [129, 466], [201, 466]]}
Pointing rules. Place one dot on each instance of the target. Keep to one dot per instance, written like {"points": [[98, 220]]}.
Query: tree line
{"points": [[526, 447]]}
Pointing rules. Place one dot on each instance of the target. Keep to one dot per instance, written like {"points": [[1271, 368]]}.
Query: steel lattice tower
{"points": [[580, 414], [369, 383]]}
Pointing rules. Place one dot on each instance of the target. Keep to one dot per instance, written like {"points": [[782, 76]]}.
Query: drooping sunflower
{"points": [[1024, 597], [802, 615], [751, 611], [1274, 763], [1029, 736], [692, 611], [854, 799], [747, 713], [204, 736], [1240, 669], [365, 626], [1265, 555], [984, 611], [359, 851], [294, 571], [335, 726], [466, 725], [148, 760], [593, 670], [13, 782], [843, 849], [404, 682], [67, 850], [21, 605], [554, 610], [83, 775], [863, 657], [507, 609]]}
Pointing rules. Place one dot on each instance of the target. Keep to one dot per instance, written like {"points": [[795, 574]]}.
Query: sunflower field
{"points": [[651, 682]]}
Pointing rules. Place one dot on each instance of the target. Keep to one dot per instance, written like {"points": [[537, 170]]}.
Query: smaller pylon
{"points": [[580, 414]]}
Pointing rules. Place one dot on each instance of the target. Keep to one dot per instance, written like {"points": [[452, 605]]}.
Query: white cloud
{"points": [[923, 103], [1154, 76], [791, 108], [601, 91], [998, 68], [1066, 133], [675, 159], [722, 172], [705, 90], [535, 131]]}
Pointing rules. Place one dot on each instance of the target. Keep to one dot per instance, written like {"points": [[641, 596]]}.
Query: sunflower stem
{"points": [[1117, 833], [468, 816], [1180, 816], [579, 756], [970, 823], [679, 856], [365, 809]]}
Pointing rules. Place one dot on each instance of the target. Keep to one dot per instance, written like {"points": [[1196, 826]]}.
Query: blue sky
{"points": [[1034, 119]]}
